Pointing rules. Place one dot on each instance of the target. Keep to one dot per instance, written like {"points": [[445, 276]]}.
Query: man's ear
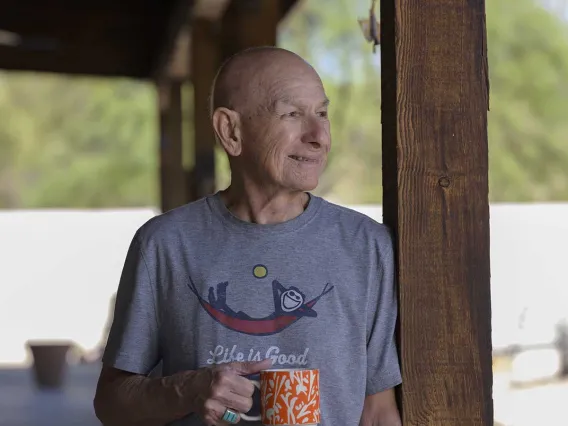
{"points": [[227, 127]]}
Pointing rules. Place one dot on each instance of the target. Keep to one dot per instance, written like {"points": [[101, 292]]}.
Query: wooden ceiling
{"points": [[99, 37], [122, 38]]}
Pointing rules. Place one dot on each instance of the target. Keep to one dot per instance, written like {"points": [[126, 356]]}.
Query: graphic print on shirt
{"points": [[290, 306]]}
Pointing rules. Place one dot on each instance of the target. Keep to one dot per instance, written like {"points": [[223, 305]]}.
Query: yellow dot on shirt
{"points": [[260, 271]]}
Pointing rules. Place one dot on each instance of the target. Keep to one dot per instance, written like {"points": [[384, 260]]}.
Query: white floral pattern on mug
{"points": [[290, 397]]}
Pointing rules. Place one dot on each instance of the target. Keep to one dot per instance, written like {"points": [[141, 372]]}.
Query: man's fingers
{"points": [[237, 401], [230, 389], [242, 386], [249, 367], [214, 411]]}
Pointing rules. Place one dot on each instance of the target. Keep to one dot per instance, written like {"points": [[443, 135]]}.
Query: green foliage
{"points": [[528, 121], [76, 143], [83, 142]]}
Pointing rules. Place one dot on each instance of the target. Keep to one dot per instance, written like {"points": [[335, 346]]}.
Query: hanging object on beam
{"points": [[17, 41], [8, 38], [371, 27]]}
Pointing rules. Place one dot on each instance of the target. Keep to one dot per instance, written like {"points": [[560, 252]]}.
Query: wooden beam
{"points": [[250, 23], [179, 65], [173, 182], [101, 60], [112, 39], [210, 10], [206, 59], [435, 186], [178, 17]]}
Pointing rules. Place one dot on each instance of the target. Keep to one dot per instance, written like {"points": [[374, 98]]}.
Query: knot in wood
{"points": [[444, 181]]}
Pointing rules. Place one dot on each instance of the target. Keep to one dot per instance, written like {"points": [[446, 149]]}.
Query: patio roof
{"points": [[124, 38]]}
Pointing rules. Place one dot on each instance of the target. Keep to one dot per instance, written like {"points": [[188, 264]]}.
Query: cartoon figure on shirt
{"points": [[290, 305], [286, 302]]}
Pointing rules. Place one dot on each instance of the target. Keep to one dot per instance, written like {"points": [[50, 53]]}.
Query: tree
{"points": [[528, 125], [78, 142]]}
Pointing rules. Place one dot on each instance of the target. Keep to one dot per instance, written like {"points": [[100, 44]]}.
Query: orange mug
{"points": [[288, 397]]}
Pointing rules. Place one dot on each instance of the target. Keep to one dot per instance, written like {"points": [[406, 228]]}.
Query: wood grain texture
{"points": [[435, 182]]}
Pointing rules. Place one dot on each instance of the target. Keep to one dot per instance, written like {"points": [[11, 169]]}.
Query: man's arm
{"points": [[125, 395], [380, 410], [127, 399], [383, 370]]}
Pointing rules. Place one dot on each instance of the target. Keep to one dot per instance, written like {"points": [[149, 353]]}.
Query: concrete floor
{"points": [[21, 404]]}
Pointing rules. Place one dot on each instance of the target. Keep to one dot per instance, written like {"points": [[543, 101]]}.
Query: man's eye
{"points": [[292, 114], [322, 114]]}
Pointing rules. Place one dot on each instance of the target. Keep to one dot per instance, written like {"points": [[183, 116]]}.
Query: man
{"points": [[206, 287]]}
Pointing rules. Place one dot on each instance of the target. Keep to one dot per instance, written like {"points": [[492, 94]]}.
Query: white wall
{"points": [[58, 271]]}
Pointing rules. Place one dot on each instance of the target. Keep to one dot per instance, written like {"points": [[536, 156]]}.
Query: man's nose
{"points": [[316, 133]]}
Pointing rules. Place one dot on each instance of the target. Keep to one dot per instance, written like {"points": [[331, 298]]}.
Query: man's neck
{"points": [[263, 207]]}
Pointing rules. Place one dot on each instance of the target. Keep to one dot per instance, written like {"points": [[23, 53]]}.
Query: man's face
{"points": [[288, 139]]}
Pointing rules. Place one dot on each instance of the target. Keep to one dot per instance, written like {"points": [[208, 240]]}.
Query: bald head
{"points": [[269, 113], [244, 81]]}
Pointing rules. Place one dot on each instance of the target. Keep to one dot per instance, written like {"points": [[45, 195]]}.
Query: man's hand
{"points": [[222, 387], [380, 409]]}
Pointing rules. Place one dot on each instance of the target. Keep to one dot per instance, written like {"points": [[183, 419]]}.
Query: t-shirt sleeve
{"points": [[133, 342], [383, 369]]}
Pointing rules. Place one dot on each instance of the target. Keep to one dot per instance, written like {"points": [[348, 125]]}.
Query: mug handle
{"points": [[252, 418]]}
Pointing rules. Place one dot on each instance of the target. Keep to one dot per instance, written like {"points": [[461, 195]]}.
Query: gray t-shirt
{"points": [[201, 287]]}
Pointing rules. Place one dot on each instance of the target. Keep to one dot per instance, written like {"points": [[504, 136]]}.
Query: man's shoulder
{"points": [[190, 217], [355, 221]]}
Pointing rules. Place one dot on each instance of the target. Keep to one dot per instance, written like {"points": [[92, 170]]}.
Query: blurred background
{"points": [[80, 171]]}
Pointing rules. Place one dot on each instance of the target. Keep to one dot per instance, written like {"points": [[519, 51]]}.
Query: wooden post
{"points": [[435, 167], [172, 175], [249, 23], [205, 60]]}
